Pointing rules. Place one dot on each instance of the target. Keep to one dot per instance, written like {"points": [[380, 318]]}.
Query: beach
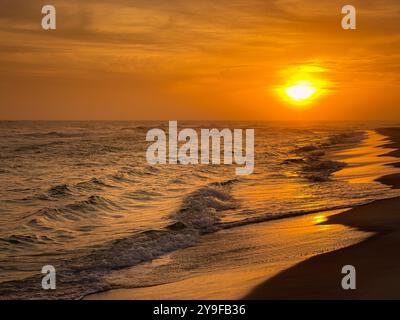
{"points": [[304, 263], [376, 259]]}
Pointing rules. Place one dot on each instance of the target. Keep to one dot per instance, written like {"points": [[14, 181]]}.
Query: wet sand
{"points": [[377, 259]]}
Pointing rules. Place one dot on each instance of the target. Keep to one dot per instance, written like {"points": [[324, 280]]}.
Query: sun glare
{"points": [[304, 84], [300, 92]]}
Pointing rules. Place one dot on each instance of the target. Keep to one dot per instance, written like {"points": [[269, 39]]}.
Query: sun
{"points": [[300, 92], [303, 85]]}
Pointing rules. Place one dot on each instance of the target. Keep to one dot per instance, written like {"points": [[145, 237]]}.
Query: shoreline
{"points": [[375, 259], [308, 229], [280, 284], [262, 255]]}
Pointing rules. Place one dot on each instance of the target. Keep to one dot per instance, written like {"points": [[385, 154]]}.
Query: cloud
{"points": [[197, 47]]}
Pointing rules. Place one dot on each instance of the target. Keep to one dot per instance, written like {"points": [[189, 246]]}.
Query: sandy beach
{"points": [[311, 250], [376, 259]]}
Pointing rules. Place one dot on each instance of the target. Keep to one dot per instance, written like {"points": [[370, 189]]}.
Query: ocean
{"points": [[80, 195]]}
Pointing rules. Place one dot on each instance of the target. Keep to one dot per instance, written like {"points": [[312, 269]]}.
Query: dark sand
{"points": [[377, 259]]}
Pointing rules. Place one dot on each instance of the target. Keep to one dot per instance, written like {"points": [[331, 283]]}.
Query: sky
{"points": [[203, 59]]}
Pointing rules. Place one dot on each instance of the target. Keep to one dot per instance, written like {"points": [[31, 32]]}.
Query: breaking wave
{"points": [[310, 158], [199, 213], [115, 177]]}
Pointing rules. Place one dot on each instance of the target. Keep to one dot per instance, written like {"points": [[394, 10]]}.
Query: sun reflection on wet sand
{"points": [[319, 218], [367, 162]]}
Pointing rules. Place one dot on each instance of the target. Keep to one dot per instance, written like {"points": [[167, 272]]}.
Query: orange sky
{"points": [[203, 59]]}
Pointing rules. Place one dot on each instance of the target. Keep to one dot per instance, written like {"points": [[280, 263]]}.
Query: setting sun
{"points": [[302, 85], [300, 92]]}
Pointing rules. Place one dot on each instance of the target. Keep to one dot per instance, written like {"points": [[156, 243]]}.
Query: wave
{"points": [[24, 239], [269, 217], [140, 171], [199, 213], [320, 170], [66, 190], [134, 128], [128, 174], [37, 147], [121, 177], [142, 195], [61, 190], [343, 138], [93, 203], [307, 148], [74, 211], [94, 184], [201, 209], [310, 158], [56, 134], [332, 140], [56, 192]]}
